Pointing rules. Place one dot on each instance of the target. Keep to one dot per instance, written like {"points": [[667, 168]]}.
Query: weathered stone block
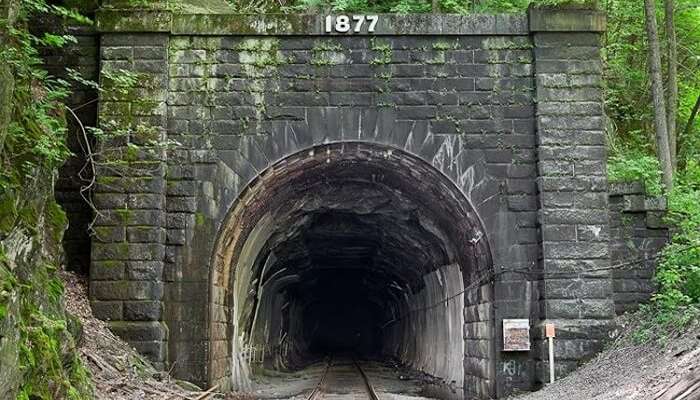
{"points": [[110, 251], [108, 290], [144, 270], [176, 237], [579, 288], [622, 188], [556, 233], [150, 53], [137, 331], [144, 290], [103, 201], [575, 250], [181, 188], [563, 20], [107, 310], [580, 309], [146, 252], [145, 201], [180, 220], [145, 234], [154, 350], [109, 234], [143, 310], [107, 270]]}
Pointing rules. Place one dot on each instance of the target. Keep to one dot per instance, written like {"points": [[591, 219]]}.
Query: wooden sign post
{"points": [[549, 333]]}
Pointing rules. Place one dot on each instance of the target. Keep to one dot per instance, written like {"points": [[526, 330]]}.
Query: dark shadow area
{"points": [[339, 317], [350, 254]]}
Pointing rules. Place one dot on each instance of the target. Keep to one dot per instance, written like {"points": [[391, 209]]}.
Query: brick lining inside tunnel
{"points": [[346, 231]]}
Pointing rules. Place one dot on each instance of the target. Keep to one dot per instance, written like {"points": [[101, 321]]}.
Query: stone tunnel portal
{"points": [[348, 248]]}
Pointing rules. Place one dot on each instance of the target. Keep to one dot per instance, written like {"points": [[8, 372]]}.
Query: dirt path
{"points": [[630, 372]]}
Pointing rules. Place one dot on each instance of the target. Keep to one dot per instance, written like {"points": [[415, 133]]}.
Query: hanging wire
{"points": [[491, 275]]}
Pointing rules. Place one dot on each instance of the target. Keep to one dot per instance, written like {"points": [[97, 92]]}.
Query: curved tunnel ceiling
{"points": [[395, 203], [353, 221]]}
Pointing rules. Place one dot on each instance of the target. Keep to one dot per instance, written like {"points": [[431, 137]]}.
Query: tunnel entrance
{"points": [[350, 249]]}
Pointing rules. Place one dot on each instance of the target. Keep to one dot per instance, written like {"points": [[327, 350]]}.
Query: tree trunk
{"points": [[672, 103], [663, 151], [691, 120]]}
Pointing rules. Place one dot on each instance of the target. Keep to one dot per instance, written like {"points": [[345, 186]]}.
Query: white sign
{"points": [[350, 24], [516, 335]]}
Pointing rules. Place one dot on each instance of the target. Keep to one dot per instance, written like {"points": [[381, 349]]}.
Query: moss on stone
{"points": [[199, 220], [180, 6], [444, 45], [56, 220], [124, 214], [384, 52], [327, 53]]}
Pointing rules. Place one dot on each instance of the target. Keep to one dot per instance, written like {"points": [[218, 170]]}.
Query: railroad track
{"points": [[338, 379], [370, 389]]}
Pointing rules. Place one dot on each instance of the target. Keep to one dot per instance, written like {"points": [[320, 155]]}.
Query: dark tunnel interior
{"points": [[340, 318], [339, 255]]}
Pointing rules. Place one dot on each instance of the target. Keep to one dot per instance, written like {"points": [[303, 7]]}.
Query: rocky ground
{"points": [[118, 372], [669, 370]]}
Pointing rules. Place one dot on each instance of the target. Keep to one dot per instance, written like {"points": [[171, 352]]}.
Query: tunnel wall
{"points": [[438, 352], [574, 289], [239, 93], [637, 231]]}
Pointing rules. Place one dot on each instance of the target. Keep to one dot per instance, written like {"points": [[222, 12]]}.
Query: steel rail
{"points": [[317, 390], [370, 389]]}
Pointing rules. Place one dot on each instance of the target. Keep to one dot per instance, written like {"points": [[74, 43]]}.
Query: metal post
{"points": [[551, 359], [550, 333]]}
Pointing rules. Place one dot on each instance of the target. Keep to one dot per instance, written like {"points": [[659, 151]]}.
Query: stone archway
{"points": [[493, 115], [363, 229]]}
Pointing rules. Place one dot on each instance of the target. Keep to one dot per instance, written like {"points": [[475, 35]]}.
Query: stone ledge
{"points": [[165, 21], [566, 20], [623, 188]]}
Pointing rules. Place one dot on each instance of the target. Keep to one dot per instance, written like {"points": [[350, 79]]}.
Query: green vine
{"points": [[32, 147]]}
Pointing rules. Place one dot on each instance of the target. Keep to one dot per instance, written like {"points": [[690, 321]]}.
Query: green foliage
{"points": [[48, 361], [635, 166], [631, 141], [34, 139], [678, 273], [396, 6], [32, 147], [8, 282], [653, 324], [627, 95]]}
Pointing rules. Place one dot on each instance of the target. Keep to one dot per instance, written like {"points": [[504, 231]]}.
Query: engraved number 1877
{"points": [[344, 23]]}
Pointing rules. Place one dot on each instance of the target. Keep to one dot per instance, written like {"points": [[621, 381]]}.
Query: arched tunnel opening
{"points": [[349, 249]]}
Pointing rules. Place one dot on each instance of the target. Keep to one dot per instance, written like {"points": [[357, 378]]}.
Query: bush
{"points": [[636, 166], [678, 273], [676, 302]]}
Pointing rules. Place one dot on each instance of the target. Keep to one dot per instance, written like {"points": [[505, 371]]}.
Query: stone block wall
{"points": [[637, 232], [464, 103], [575, 288], [128, 249], [509, 109]]}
